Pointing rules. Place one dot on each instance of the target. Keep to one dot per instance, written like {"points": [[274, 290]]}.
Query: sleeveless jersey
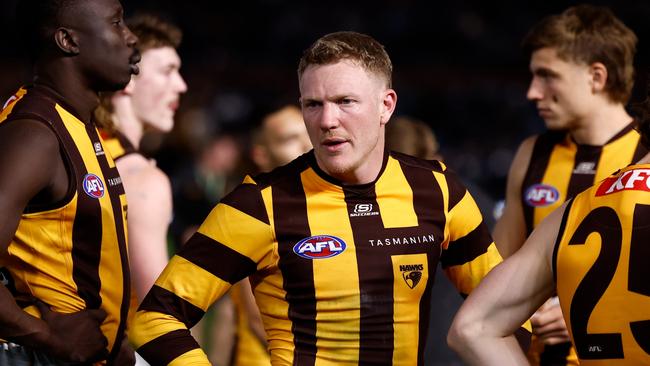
{"points": [[117, 144], [559, 169], [602, 272], [342, 274], [72, 255]]}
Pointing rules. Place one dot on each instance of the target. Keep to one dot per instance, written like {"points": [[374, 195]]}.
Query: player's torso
{"points": [[602, 270], [355, 267], [559, 169], [72, 255]]}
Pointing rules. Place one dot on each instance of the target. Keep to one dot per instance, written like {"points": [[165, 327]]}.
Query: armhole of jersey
{"points": [[558, 240], [67, 163]]}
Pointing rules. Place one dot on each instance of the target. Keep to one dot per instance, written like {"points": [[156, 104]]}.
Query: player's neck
{"points": [[126, 120], [70, 89], [601, 125]]}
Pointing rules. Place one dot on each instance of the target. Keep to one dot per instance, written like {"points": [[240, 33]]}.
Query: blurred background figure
{"points": [[281, 138], [201, 183], [148, 102], [413, 137]]}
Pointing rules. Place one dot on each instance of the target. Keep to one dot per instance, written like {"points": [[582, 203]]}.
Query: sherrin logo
{"points": [[635, 180], [93, 186], [539, 195], [319, 247]]}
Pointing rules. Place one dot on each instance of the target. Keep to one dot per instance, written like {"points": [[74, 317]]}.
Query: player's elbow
{"points": [[463, 332], [139, 329]]}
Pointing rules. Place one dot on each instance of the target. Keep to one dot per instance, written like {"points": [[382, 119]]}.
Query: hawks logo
{"points": [[319, 247], [411, 273], [539, 195], [93, 186]]}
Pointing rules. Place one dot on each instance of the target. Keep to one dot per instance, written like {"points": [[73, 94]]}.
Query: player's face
{"points": [[562, 90], [155, 92], [107, 51], [286, 137], [345, 109]]}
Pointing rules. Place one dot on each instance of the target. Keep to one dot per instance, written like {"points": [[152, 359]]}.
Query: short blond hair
{"points": [[357, 47]]}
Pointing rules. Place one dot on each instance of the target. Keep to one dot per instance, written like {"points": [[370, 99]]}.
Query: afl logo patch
{"points": [[540, 195], [319, 247], [93, 186]]}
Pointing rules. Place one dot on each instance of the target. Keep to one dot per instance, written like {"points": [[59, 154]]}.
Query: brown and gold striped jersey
{"points": [[560, 168], [117, 144], [72, 255], [249, 349], [601, 269], [342, 274]]}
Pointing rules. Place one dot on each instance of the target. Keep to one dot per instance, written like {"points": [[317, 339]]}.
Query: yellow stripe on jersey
{"points": [[466, 209], [240, 232], [154, 325], [396, 198], [616, 155], [406, 305], [196, 286], [334, 342], [562, 160]]}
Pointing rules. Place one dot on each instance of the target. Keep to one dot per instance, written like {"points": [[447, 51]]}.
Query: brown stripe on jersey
{"points": [[127, 146], [581, 181], [164, 349], [640, 152], [560, 232], [639, 271], [291, 226], [467, 248], [374, 266], [428, 204], [375, 263], [254, 208], [86, 229], [536, 168], [216, 258], [115, 190], [164, 301], [456, 190]]}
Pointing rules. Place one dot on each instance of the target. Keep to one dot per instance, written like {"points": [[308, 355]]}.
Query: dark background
{"points": [[458, 67]]}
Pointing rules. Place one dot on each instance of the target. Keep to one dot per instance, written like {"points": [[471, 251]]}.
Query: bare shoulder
{"points": [[143, 178], [522, 157], [29, 135]]}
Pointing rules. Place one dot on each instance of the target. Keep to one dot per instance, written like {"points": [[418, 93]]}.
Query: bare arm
{"points": [[148, 193], [505, 299], [510, 231], [31, 169]]}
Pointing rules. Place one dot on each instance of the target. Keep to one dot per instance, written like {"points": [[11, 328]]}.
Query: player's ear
{"points": [[599, 75], [66, 41], [389, 102]]}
